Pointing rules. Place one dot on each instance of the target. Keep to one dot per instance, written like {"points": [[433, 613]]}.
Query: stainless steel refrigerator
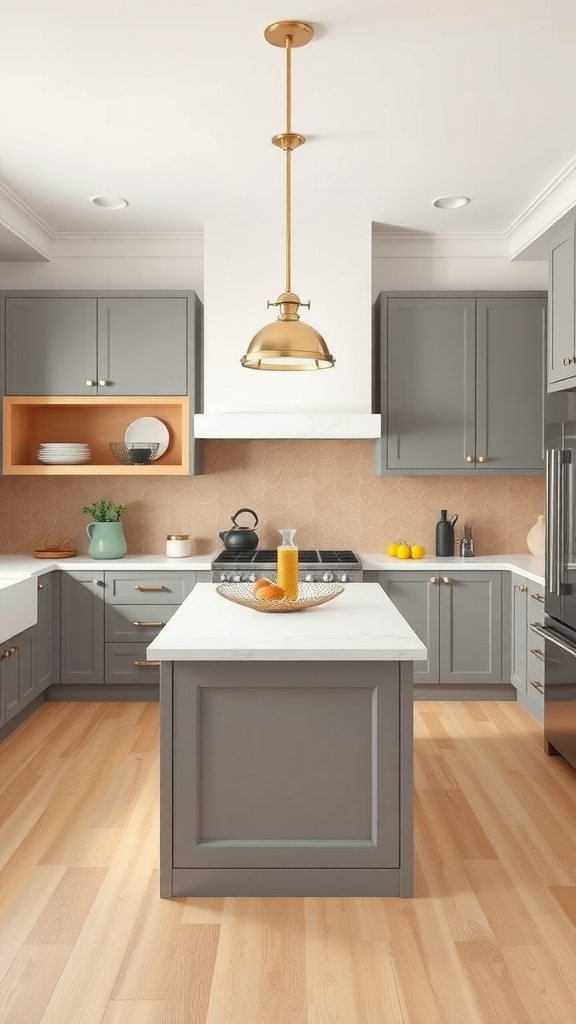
{"points": [[559, 629]]}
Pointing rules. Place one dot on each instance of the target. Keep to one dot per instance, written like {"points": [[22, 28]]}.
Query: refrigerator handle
{"points": [[556, 518]]}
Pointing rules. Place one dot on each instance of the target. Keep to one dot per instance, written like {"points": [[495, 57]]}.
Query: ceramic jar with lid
{"points": [[178, 545]]}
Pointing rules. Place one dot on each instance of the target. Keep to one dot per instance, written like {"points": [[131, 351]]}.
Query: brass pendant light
{"points": [[287, 343]]}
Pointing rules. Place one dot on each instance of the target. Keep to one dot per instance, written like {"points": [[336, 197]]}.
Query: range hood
{"points": [[242, 270]]}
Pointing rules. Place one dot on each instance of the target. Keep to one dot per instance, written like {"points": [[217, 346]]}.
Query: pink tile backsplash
{"points": [[326, 489]]}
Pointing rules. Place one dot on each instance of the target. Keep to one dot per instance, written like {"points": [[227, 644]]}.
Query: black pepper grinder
{"points": [[445, 535]]}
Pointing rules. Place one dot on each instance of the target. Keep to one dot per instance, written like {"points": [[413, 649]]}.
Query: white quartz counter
{"points": [[526, 565], [27, 565], [361, 624]]}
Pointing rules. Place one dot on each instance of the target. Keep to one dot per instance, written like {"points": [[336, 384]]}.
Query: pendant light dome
{"points": [[288, 343]]}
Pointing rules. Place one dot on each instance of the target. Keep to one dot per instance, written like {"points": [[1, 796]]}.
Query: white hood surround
{"points": [[243, 268]]}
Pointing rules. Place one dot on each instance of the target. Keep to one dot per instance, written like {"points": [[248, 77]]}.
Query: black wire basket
{"points": [[134, 453]]}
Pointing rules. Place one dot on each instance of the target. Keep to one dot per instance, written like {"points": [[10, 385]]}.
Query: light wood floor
{"points": [[490, 937]]}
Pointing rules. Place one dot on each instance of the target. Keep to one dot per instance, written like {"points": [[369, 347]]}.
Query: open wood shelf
{"points": [[29, 421]]}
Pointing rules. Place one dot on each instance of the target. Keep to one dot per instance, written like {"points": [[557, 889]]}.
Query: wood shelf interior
{"points": [[29, 422]]}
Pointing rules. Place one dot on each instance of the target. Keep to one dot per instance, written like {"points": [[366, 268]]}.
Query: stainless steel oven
{"points": [[314, 566]]}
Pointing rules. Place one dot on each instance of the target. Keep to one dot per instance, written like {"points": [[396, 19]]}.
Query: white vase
{"points": [[536, 539]]}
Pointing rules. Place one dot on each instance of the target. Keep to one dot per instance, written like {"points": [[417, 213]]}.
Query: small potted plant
{"points": [[106, 533]]}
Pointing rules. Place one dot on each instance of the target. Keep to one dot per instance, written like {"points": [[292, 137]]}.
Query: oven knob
{"points": [[328, 577], [225, 576], [346, 578], [252, 577], [237, 577], [309, 578]]}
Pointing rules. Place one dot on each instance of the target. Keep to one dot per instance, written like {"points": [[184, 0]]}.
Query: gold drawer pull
{"points": [[146, 664], [148, 586], [538, 597], [537, 686], [520, 588], [537, 652], [148, 623]]}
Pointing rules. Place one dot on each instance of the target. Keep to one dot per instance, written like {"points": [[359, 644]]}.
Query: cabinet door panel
{"points": [[430, 396], [561, 339], [416, 598], [82, 627], [48, 631], [519, 625], [142, 346], [16, 674], [471, 628], [50, 346], [510, 346]]}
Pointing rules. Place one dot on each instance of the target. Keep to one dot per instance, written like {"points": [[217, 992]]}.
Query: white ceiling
{"points": [[172, 105]]}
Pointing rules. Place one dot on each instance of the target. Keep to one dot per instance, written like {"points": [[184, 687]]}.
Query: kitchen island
{"points": [[286, 748]]}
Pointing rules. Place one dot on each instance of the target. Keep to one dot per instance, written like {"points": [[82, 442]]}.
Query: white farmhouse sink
{"points": [[18, 605]]}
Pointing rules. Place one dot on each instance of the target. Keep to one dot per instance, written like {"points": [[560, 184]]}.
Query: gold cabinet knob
{"points": [[446, 579], [481, 458], [470, 458], [90, 383], [434, 579], [520, 588], [567, 360], [104, 383]]}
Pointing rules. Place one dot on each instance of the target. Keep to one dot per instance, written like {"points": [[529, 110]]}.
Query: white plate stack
{"points": [[65, 453]]}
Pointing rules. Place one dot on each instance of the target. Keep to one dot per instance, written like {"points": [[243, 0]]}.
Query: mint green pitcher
{"points": [[107, 540]]}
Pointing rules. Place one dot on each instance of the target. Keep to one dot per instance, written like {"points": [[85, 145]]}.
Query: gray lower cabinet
{"points": [[519, 606], [458, 615], [82, 627], [16, 674], [90, 344], [47, 662], [109, 618], [562, 309], [535, 653], [461, 383]]}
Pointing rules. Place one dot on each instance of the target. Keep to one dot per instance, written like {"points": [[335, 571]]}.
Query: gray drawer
{"points": [[126, 663], [129, 623], [148, 587], [535, 602], [533, 701]]}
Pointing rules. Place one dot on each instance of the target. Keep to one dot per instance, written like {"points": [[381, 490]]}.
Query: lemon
{"points": [[403, 551], [392, 550], [417, 551]]}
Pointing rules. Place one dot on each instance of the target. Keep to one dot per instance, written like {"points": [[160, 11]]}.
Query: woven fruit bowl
{"points": [[309, 596]]}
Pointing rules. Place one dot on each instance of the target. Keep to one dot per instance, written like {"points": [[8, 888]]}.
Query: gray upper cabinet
{"points": [[458, 616], [461, 383], [561, 334], [88, 344]]}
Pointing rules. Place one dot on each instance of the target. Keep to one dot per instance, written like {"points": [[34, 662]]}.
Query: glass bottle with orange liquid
{"points": [[287, 567]]}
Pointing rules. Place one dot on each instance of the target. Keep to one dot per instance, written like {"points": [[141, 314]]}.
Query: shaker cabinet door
{"points": [[562, 287], [471, 627], [82, 627], [416, 596]]}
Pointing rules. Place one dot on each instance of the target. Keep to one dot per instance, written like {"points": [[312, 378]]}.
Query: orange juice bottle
{"points": [[287, 568]]}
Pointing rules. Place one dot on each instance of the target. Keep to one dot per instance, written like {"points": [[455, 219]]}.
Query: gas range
{"points": [[313, 566]]}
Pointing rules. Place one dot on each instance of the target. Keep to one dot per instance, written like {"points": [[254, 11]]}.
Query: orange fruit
{"points": [[392, 550], [417, 551], [403, 551], [261, 583], [270, 593]]}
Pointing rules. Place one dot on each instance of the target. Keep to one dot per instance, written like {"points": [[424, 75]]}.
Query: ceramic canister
{"points": [[178, 545]]}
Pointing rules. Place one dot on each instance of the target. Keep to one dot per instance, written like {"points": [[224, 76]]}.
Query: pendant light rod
{"points": [[288, 164]]}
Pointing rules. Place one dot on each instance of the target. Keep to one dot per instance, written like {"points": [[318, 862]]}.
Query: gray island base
{"points": [[286, 748]]}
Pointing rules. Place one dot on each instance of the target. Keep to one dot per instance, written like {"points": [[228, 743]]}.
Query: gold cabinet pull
{"points": [[41, 586], [142, 623], [537, 653], [104, 383], [446, 579], [567, 360], [90, 383], [434, 579], [470, 458], [146, 664], [538, 597], [481, 458], [148, 586], [537, 685], [520, 588]]}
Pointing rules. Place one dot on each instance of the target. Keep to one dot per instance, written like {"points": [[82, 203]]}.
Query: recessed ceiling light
{"points": [[109, 202], [450, 202]]}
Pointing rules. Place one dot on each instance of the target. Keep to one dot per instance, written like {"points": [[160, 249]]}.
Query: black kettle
{"points": [[242, 538]]}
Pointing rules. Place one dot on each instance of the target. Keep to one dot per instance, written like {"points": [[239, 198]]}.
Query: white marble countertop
{"points": [[27, 565], [361, 624], [526, 565]]}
